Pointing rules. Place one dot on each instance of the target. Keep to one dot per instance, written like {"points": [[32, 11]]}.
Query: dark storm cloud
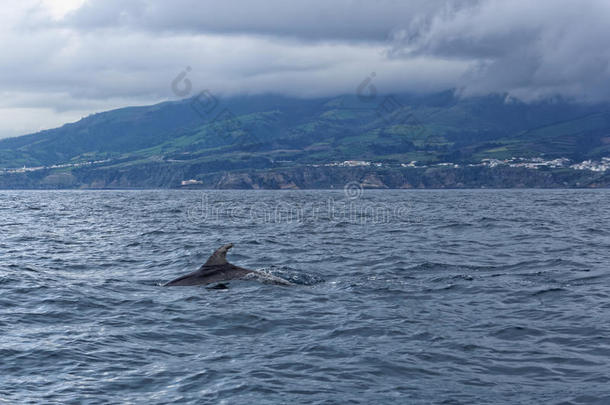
{"points": [[312, 19], [530, 49]]}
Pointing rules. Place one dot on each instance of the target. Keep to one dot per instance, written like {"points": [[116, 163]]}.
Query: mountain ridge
{"points": [[267, 132]]}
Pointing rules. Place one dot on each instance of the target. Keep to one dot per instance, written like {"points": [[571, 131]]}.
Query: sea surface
{"points": [[399, 297]]}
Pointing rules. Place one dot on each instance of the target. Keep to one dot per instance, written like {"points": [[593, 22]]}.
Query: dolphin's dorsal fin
{"points": [[219, 256]]}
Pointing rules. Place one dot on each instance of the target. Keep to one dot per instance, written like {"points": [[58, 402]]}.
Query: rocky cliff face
{"points": [[161, 175], [476, 177]]}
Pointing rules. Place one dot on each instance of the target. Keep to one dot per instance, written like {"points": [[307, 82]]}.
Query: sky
{"points": [[65, 59]]}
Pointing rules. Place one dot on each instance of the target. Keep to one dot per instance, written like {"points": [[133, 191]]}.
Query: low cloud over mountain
{"points": [[65, 59]]}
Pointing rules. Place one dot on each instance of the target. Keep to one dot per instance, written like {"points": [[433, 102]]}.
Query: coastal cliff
{"points": [[306, 177]]}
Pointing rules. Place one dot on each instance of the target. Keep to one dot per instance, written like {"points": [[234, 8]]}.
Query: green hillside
{"points": [[258, 132]]}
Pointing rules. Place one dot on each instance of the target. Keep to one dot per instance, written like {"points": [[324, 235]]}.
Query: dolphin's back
{"points": [[211, 274]]}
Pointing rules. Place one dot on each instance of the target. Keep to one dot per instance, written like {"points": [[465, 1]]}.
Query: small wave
{"points": [[155, 232], [455, 225], [548, 290], [517, 333], [437, 266], [465, 277]]}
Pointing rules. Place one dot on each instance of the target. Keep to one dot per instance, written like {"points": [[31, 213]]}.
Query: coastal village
{"points": [[25, 169], [528, 163]]}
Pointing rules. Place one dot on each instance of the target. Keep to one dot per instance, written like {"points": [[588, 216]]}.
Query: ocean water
{"points": [[399, 297]]}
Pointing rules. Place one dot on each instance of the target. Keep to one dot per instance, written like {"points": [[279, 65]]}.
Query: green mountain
{"points": [[204, 135]]}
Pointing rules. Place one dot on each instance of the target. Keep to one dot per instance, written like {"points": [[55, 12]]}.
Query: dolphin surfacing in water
{"points": [[217, 269]]}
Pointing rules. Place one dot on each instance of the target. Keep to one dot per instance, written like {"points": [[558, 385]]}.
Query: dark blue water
{"points": [[454, 297]]}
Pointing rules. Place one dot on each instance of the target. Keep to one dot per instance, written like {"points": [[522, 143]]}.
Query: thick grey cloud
{"points": [[313, 19], [57, 65]]}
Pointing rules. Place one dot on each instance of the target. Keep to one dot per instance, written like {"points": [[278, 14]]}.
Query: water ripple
{"points": [[475, 296]]}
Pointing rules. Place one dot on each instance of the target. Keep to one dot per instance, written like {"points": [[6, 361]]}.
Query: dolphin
{"points": [[217, 269]]}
